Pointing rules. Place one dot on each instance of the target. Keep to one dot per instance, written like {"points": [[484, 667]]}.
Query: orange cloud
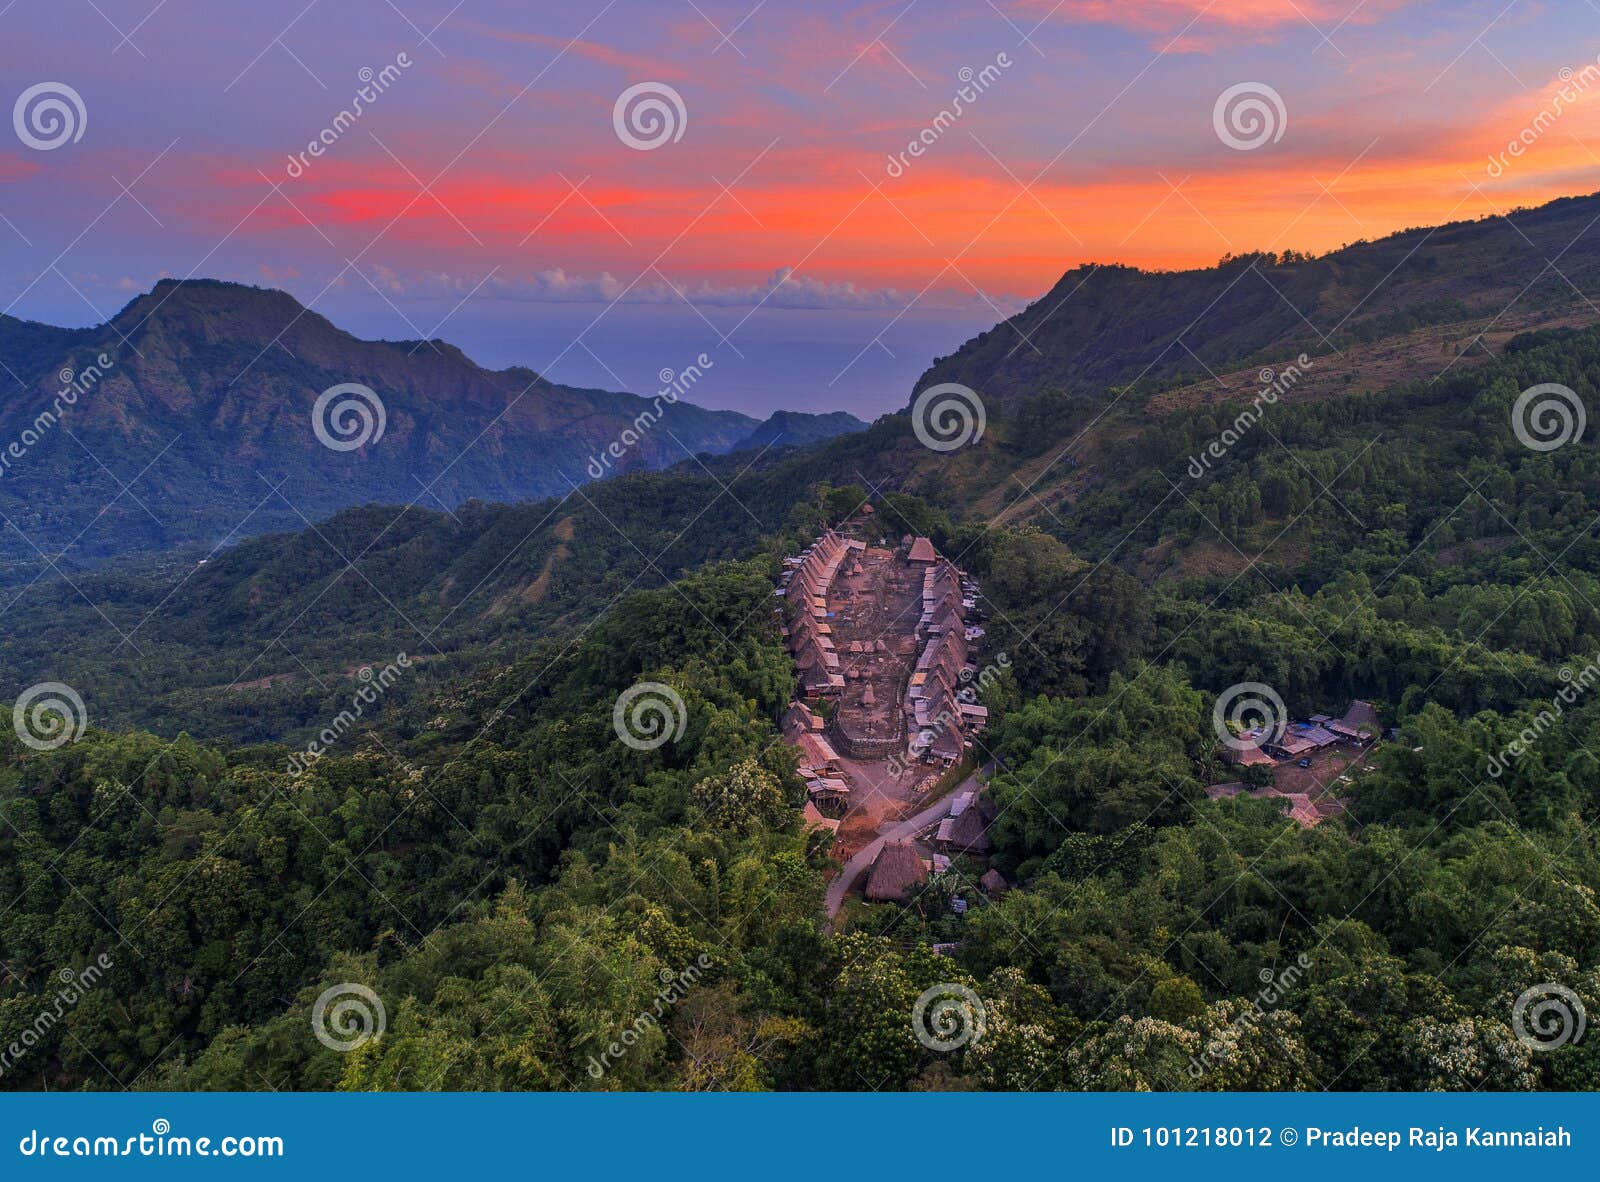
{"points": [[1169, 16], [954, 220]]}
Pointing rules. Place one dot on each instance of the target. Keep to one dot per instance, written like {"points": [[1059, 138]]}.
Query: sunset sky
{"points": [[486, 195]]}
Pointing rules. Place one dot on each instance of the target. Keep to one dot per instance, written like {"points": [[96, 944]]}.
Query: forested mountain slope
{"points": [[192, 417], [1109, 324]]}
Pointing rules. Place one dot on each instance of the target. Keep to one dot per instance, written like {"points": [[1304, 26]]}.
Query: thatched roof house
{"points": [[993, 883], [813, 818], [897, 871], [969, 833]]}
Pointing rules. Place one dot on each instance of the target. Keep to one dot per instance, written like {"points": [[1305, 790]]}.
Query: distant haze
{"points": [[790, 356]]}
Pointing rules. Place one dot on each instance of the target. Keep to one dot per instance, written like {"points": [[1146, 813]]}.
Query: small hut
{"points": [[814, 819], [969, 832], [897, 871], [993, 884]]}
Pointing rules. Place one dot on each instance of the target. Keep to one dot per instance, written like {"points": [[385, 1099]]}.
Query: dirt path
{"points": [[910, 827]]}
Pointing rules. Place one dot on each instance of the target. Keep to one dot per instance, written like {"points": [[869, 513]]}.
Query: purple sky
{"points": [[486, 191]]}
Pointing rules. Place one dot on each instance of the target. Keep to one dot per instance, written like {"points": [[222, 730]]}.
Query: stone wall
{"points": [[860, 748]]}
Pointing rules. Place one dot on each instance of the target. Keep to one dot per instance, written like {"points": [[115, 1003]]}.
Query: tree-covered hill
{"points": [[191, 417], [1106, 324]]}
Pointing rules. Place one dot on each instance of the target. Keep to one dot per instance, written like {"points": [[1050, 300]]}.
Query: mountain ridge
{"points": [[189, 418], [1102, 324]]}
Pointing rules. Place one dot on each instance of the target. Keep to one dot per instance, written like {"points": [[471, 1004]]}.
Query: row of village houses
{"points": [[940, 709], [810, 636]]}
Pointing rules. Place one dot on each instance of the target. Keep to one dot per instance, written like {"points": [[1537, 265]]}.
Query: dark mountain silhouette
{"points": [[189, 418], [787, 428], [1103, 325]]}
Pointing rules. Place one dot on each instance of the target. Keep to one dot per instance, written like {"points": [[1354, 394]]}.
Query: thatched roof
{"points": [[897, 871], [993, 883], [969, 833], [922, 551], [814, 819], [1246, 757], [1362, 716]]}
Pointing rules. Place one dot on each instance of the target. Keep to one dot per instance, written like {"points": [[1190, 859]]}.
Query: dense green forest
{"points": [[519, 889]]}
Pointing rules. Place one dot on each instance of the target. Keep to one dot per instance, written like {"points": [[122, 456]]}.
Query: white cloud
{"points": [[782, 289]]}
